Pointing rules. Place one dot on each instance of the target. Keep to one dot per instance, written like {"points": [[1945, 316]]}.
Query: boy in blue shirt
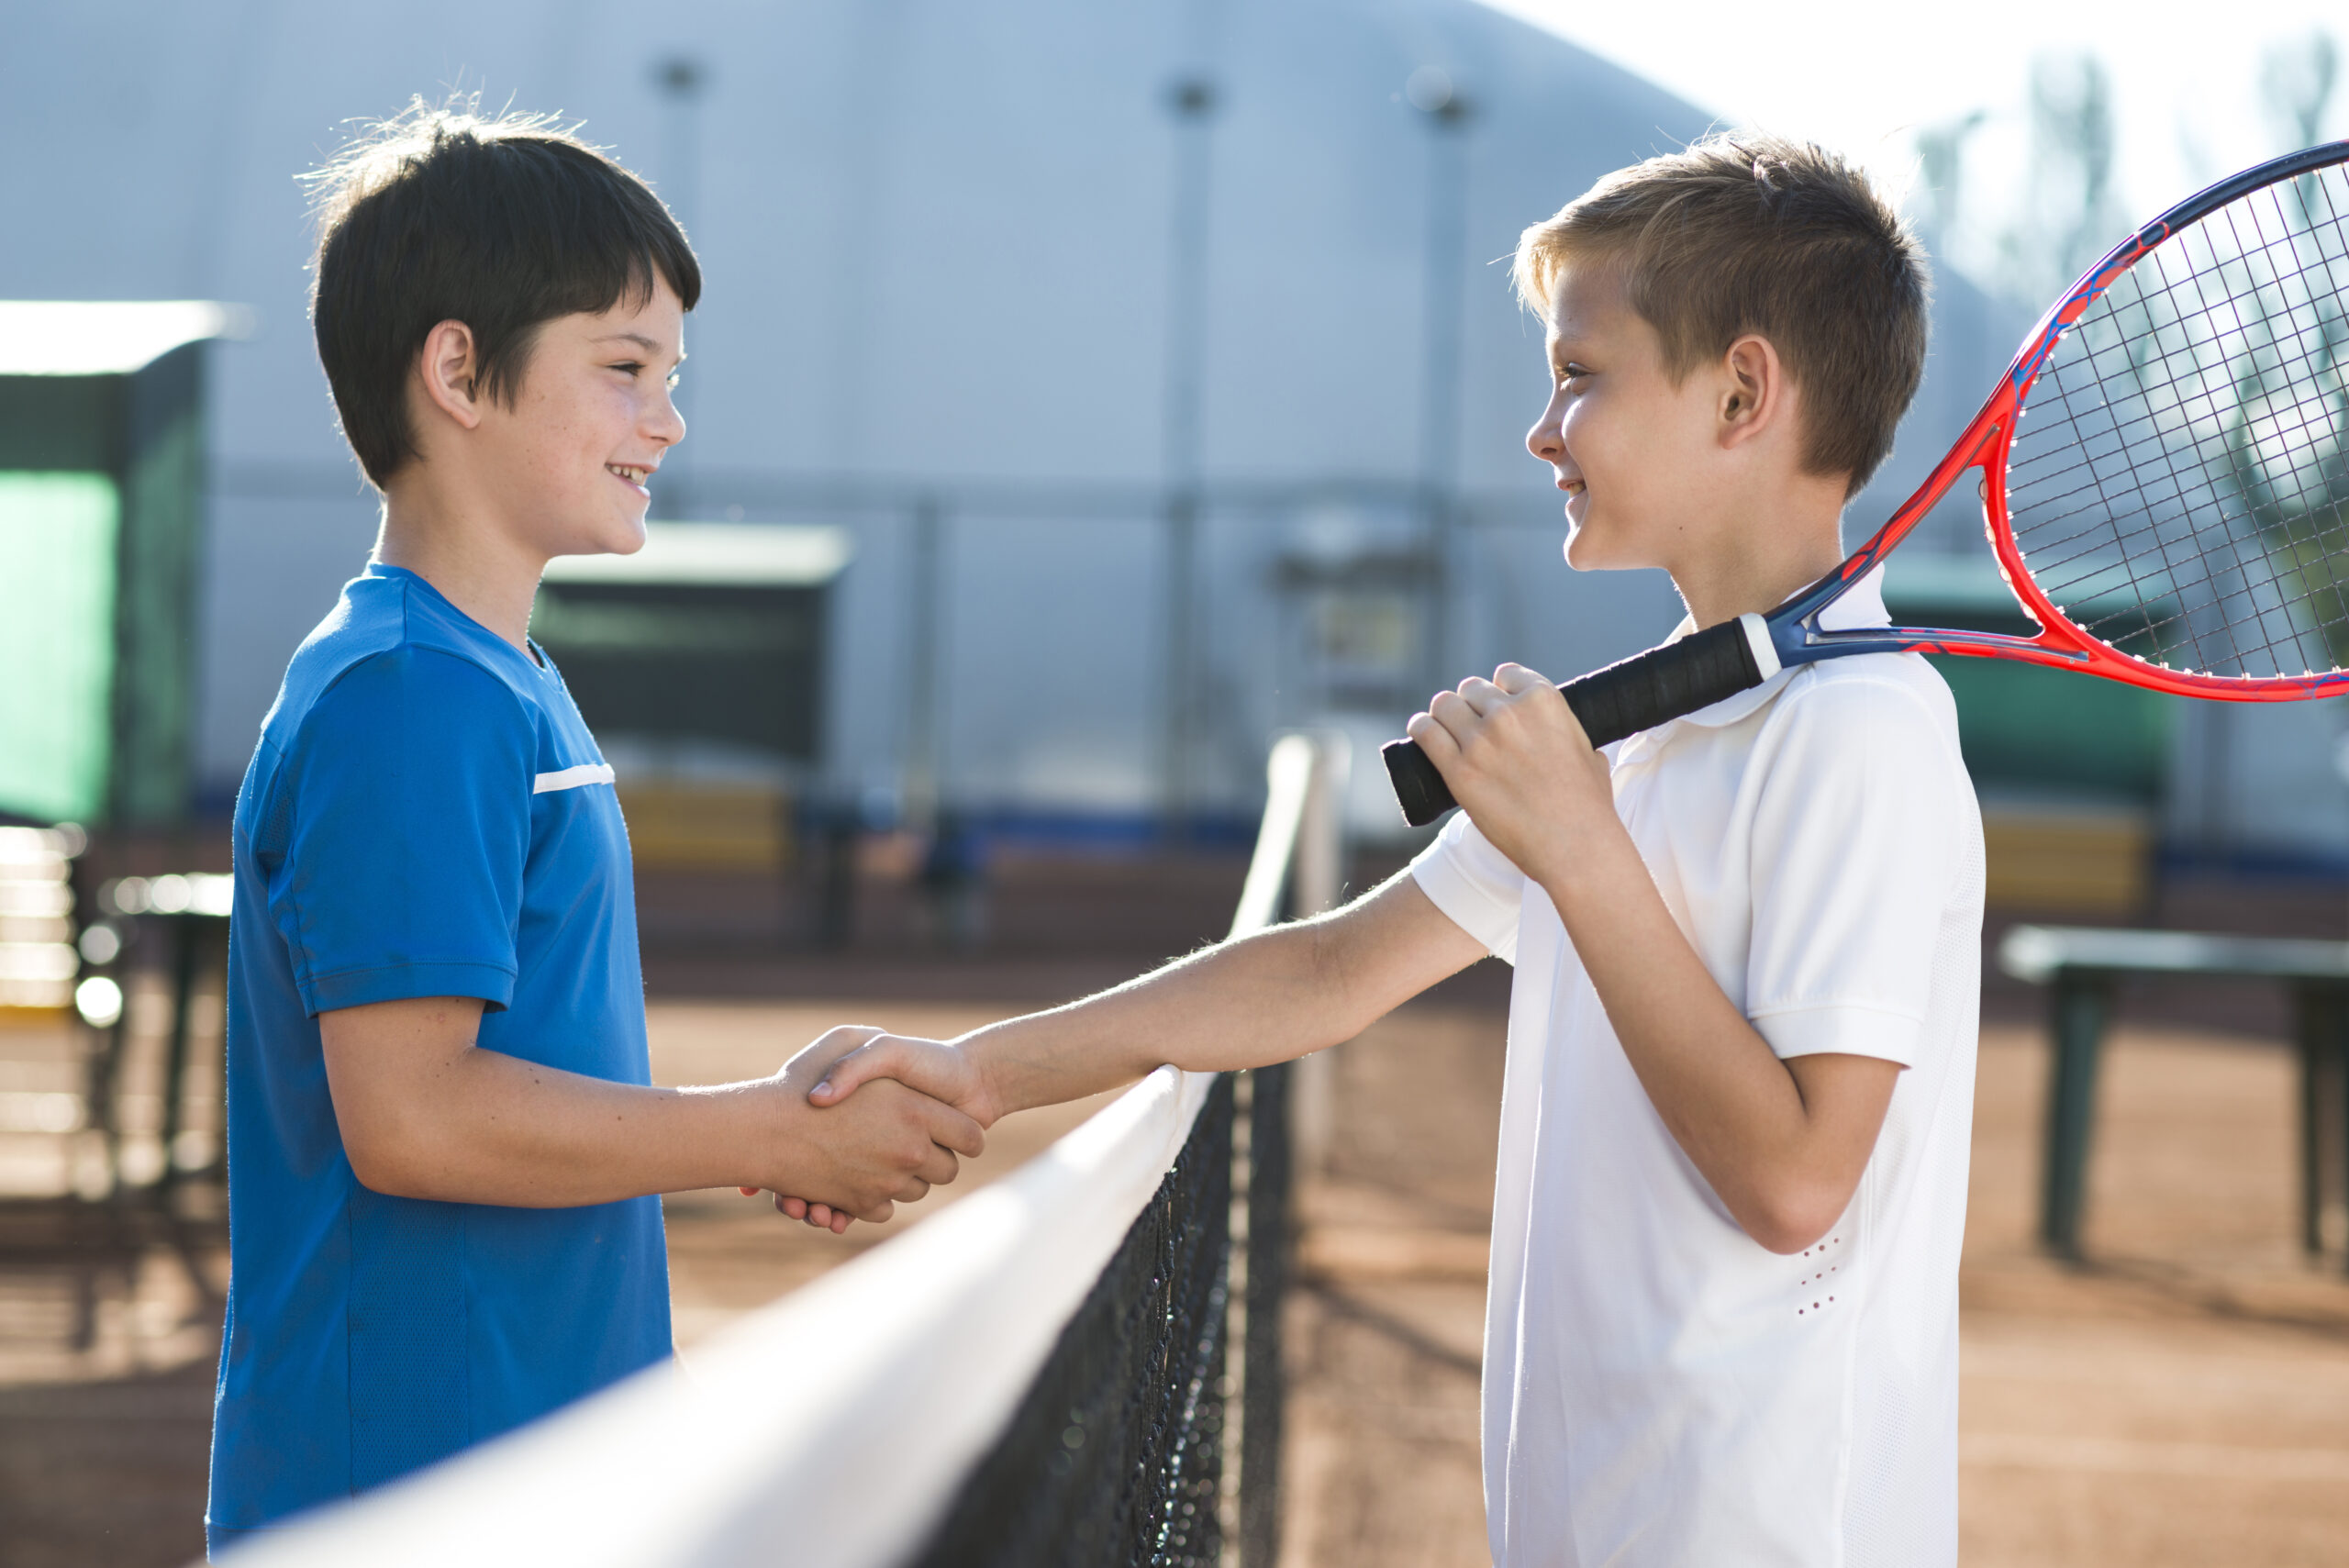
{"points": [[1721, 1322], [444, 1149]]}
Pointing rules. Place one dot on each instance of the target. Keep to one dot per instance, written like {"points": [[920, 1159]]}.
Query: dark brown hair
{"points": [[501, 223], [1742, 234]]}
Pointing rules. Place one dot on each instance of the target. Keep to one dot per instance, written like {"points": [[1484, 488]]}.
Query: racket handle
{"points": [[1625, 699]]}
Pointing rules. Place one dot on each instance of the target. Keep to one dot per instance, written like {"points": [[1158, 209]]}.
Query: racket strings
{"points": [[2217, 535], [2309, 505], [2178, 483], [2091, 505], [2074, 460], [2164, 357], [2198, 570]]}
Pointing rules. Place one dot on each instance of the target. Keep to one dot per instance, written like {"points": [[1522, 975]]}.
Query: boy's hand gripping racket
{"points": [[2168, 456]]}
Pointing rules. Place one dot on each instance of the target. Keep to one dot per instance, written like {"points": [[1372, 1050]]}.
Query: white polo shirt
{"points": [[1659, 1389]]}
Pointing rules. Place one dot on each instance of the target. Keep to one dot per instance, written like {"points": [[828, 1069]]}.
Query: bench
{"points": [[2082, 967], [192, 911]]}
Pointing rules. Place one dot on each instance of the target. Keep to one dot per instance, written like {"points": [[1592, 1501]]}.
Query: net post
{"points": [[1310, 849], [1319, 887]]}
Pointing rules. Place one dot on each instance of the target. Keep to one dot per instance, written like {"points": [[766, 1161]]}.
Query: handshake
{"points": [[871, 1119]]}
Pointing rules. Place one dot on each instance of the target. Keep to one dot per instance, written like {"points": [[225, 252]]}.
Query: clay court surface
{"points": [[2183, 1400]]}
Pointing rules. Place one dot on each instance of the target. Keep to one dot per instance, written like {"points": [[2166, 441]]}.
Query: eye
{"points": [[627, 367], [1571, 374]]}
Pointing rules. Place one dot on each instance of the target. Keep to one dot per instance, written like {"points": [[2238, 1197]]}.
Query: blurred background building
{"points": [[1141, 381]]}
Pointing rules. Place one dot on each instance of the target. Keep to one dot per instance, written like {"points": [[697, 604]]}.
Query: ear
{"points": [[449, 368], [1753, 389]]}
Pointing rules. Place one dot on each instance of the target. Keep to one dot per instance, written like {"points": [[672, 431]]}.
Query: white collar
{"points": [[1861, 605]]}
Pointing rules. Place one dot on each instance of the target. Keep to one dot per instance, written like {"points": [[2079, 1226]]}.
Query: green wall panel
{"points": [[155, 627], [2026, 728], [58, 536]]}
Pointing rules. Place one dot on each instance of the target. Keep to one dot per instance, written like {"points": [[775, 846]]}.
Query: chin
{"points": [[1582, 551], [1588, 558], [622, 536], [1589, 550]]}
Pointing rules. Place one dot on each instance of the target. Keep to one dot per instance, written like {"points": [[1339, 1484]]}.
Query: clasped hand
{"points": [[857, 1160], [1517, 760], [881, 1063]]}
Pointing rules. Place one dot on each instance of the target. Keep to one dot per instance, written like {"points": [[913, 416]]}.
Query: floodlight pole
{"points": [[681, 81], [925, 610], [1192, 102], [1447, 113]]}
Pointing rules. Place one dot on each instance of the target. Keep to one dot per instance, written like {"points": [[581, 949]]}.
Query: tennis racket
{"points": [[2168, 456]]}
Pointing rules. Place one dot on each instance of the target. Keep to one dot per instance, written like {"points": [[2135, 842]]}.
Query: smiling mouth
{"points": [[1573, 487], [635, 476]]}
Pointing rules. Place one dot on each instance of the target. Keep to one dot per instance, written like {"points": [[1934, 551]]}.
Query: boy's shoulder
{"points": [[1895, 692], [1862, 732], [394, 616], [394, 655]]}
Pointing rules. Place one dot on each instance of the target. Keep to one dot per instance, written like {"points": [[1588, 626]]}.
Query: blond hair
{"points": [[1758, 234]]}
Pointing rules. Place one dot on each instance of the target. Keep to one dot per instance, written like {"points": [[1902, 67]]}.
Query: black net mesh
{"points": [[1115, 1458], [2179, 478], [1269, 1181]]}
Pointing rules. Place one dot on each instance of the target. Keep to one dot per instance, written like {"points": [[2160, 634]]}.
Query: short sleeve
{"points": [[1857, 835], [1478, 888], [409, 825]]}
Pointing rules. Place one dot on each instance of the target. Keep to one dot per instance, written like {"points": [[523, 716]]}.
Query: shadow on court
{"points": [[109, 1471], [2181, 1399], [106, 1406]]}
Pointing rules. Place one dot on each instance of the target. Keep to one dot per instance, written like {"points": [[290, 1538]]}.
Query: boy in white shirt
{"points": [[1722, 1321]]}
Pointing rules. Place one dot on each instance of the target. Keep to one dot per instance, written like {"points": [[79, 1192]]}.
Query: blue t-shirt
{"points": [[426, 815]]}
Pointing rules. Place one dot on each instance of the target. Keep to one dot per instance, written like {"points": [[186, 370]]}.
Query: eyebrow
{"points": [[1564, 345], [640, 339]]}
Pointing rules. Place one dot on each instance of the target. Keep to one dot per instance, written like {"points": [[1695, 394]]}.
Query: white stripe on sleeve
{"points": [[572, 778]]}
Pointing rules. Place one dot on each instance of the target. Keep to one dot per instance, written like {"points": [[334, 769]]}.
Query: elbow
{"points": [[1794, 1219], [386, 1161], [380, 1172]]}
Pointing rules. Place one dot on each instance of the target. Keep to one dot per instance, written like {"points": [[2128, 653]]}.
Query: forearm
{"points": [[425, 1112], [1241, 1004], [1269, 998], [492, 1128], [1781, 1164]]}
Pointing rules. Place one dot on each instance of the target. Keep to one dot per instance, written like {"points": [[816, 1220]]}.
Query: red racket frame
{"points": [[1794, 629]]}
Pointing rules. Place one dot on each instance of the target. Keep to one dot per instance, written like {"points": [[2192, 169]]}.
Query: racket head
{"points": [[2165, 465]]}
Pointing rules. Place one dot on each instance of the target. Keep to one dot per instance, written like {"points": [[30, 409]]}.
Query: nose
{"points": [[1546, 441], [665, 424]]}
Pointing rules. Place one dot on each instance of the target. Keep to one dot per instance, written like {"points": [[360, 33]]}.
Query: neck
{"points": [[1762, 557], [473, 563]]}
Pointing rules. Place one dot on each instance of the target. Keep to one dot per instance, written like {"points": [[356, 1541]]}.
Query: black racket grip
{"points": [[1625, 699]]}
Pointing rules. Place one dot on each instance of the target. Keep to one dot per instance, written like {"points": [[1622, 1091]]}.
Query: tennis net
{"points": [[1077, 1364]]}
